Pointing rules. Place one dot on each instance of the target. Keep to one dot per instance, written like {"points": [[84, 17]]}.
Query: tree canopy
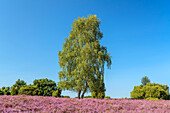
{"points": [[15, 88], [150, 90], [145, 80], [83, 58], [45, 87]]}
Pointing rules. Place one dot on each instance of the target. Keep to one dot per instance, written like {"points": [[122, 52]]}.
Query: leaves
{"points": [[83, 58]]}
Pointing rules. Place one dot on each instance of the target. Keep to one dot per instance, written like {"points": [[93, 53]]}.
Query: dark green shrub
{"points": [[107, 97], [98, 95], [56, 93], [65, 96], [5, 91], [46, 87], [28, 90], [87, 97], [1, 92], [15, 88]]}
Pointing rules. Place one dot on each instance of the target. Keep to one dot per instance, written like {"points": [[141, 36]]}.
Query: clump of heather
{"points": [[22, 103]]}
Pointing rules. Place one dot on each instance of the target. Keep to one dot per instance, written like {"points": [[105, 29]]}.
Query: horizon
{"points": [[136, 33]]}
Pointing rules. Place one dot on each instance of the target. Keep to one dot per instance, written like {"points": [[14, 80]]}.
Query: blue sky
{"points": [[136, 33]]}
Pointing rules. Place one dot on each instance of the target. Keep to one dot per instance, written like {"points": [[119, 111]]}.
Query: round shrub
{"points": [[150, 90]]}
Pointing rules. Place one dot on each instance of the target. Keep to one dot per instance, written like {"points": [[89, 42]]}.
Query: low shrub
{"points": [[87, 97], [65, 96], [153, 99], [56, 93], [107, 97], [1, 92]]}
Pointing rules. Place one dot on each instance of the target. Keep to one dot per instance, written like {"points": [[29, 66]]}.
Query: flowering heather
{"points": [[38, 104]]}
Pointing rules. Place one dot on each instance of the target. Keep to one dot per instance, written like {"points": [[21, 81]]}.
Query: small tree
{"points": [[5, 91], [145, 80], [150, 90], [46, 87], [15, 88]]}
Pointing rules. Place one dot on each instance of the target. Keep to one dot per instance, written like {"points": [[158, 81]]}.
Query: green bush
{"points": [[46, 87], [138, 92], [28, 90], [1, 92], [5, 91], [87, 97], [15, 88], [153, 99], [151, 90], [65, 96], [98, 95], [107, 97], [56, 93]]}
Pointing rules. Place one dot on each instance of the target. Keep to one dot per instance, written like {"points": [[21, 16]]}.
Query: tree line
{"points": [[40, 87]]}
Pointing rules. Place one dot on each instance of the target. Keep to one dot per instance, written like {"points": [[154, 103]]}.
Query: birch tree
{"points": [[82, 59]]}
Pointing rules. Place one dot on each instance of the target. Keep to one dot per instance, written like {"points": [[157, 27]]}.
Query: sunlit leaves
{"points": [[83, 58]]}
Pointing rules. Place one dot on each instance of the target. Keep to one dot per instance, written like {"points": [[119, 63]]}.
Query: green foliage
{"points": [[138, 92], [100, 95], [87, 97], [65, 96], [145, 80], [15, 88], [150, 90], [28, 90], [46, 87], [1, 92], [153, 99], [5, 91], [83, 58], [42, 87], [56, 93], [107, 97]]}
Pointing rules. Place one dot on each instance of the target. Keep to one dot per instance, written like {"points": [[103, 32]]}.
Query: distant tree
{"points": [[83, 58], [145, 80], [150, 90], [5, 91], [46, 87], [28, 90], [15, 88]]}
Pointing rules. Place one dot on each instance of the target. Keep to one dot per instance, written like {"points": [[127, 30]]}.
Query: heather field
{"points": [[36, 104]]}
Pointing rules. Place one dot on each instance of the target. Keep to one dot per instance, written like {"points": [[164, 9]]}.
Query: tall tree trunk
{"points": [[79, 93], [82, 96]]}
